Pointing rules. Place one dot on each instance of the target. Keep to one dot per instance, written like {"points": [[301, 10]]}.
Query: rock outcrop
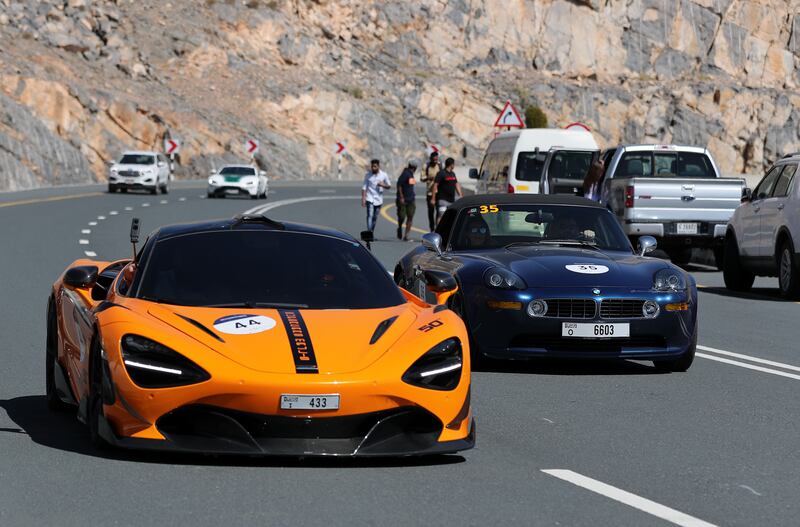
{"points": [[82, 80]]}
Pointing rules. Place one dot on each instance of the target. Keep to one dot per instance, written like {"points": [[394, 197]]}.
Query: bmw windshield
{"points": [[257, 268], [493, 226]]}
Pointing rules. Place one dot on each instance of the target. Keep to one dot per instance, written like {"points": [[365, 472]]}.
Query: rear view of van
{"points": [[537, 160]]}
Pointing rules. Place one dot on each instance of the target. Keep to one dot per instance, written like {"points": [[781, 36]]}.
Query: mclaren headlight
{"points": [[153, 365], [669, 280], [499, 278], [440, 367]]}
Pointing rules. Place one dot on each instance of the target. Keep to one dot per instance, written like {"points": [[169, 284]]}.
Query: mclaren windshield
{"points": [[257, 268], [494, 226]]}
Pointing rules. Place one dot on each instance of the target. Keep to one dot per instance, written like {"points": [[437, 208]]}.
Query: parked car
{"points": [[763, 234], [238, 180], [140, 171], [536, 160], [674, 193]]}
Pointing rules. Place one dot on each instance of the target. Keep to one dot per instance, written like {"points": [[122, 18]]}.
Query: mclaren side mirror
{"points": [[81, 277], [747, 194], [473, 173], [433, 242], [442, 284], [647, 244]]}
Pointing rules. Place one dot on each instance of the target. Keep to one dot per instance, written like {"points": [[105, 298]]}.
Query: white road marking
{"points": [[128, 208], [90, 254], [145, 204], [164, 202], [260, 209], [92, 223], [181, 199], [749, 358], [750, 366], [751, 489], [83, 242], [113, 213], [101, 218], [632, 500], [86, 231]]}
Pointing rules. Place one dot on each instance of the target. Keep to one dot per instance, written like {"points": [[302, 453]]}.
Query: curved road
{"points": [[558, 443]]}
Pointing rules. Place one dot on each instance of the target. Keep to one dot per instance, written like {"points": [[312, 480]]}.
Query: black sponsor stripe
{"points": [[302, 350]]}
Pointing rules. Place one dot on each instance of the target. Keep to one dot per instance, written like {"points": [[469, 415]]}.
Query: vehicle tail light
{"points": [[629, 196], [510, 188]]}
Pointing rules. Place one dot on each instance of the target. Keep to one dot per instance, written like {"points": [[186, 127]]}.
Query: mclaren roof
{"points": [[531, 199], [246, 222]]}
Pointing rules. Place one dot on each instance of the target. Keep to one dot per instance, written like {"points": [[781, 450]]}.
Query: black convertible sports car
{"points": [[551, 275]]}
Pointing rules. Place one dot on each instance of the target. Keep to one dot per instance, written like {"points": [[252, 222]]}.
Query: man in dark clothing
{"points": [[445, 188], [432, 168], [405, 200]]}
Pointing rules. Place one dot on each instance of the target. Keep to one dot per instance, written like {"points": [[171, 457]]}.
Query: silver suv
{"points": [[763, 234]]}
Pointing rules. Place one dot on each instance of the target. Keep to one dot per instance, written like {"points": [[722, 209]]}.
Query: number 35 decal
{"points": [[486, 209]]}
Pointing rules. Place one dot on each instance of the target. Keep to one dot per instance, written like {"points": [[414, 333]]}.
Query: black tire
{"points": [[254, 196], [112, 189], [736, 277], [456, 304], [680, 256], [719, 257], [54, 402], [165, 188], [211, 195], [123, 190], [683, 362], [154, 190], [788, 274], [95, 410]]}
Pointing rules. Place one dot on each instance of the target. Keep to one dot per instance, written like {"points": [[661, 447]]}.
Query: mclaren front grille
{"points": [[621, 308], [582, 308]]}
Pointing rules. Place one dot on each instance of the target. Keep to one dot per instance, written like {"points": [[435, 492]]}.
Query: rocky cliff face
{"points": [[82, 80]]}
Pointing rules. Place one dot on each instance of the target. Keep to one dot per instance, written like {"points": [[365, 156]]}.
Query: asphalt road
{"points": [[717, 444]]}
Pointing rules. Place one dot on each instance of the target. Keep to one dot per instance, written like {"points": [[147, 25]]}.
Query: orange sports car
{"points": [[251, 336]]}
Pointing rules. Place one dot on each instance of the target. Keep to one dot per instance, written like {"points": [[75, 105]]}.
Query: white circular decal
{"points": [[587, 268], [243, 324]]}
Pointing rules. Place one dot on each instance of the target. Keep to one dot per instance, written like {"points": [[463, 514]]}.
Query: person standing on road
{"points": [[445, 188], [432, 168], [406, 207], [594, 180], [375, 182]]}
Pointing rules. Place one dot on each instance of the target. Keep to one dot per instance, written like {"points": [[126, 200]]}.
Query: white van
{"points": [[537, 160]]}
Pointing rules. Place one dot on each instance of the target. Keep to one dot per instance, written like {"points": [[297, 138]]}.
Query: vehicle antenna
{"points": [[134, 235]]}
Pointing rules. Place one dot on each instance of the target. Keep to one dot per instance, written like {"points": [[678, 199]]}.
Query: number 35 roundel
{"points": [[243, 324]]}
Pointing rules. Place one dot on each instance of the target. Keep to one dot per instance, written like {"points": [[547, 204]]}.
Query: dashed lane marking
{"points": [[90, 254], [128, 208], [92, 223], [181, 199], [46, 200], [164, 202], [145, 204], [101, 218], [86, 231], [113, 213], [628, 498], [83, 242]]}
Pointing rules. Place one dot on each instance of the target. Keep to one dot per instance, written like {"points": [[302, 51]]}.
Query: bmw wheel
{"points": [[788, 276], [736, 277], [683, 362]]}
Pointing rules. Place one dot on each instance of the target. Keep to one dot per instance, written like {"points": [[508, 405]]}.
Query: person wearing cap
{"points": [[429, 172], [375, 181], [406, 206]]}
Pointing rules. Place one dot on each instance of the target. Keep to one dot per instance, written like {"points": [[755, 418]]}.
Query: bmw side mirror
{"points": [[442, 284], [81, 276], [433, 242], [473, 173], [747, 194], [647, 244]]}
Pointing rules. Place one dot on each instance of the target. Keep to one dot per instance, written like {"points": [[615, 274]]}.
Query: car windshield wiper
{"points": [[260, 305], [582, 243]]}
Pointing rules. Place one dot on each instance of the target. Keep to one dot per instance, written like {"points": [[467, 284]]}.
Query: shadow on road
{"points": [[62, 431], [568, 367], [757, 293]]}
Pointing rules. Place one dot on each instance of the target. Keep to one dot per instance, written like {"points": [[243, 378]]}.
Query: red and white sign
{"points": [[339, 149], [577, 125], [509, 117], [171, 146], [251, 146], [433, 148]]}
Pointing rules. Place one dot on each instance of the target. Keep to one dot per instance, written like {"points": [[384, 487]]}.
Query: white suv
{"points": [[140, 170], [763, 234]]}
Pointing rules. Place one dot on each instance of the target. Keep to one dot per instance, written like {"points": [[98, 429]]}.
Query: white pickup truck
{"points": [[674, 193]]}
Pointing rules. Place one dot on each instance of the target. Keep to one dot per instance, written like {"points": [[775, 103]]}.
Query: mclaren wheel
{"points": [[456, 304], [736, 277], [95, 412], [54, 402], [788, 275]]}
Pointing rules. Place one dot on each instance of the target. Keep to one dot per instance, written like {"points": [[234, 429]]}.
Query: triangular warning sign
{"points": [[509, 117]]}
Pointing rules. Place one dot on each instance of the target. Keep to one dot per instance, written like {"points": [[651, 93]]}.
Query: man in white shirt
{"points": [[375, 182]]}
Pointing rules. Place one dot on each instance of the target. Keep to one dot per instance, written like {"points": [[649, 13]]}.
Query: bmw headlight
{"points": [[669, 280], [153, 365], [439, 368], [499, 278]]}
